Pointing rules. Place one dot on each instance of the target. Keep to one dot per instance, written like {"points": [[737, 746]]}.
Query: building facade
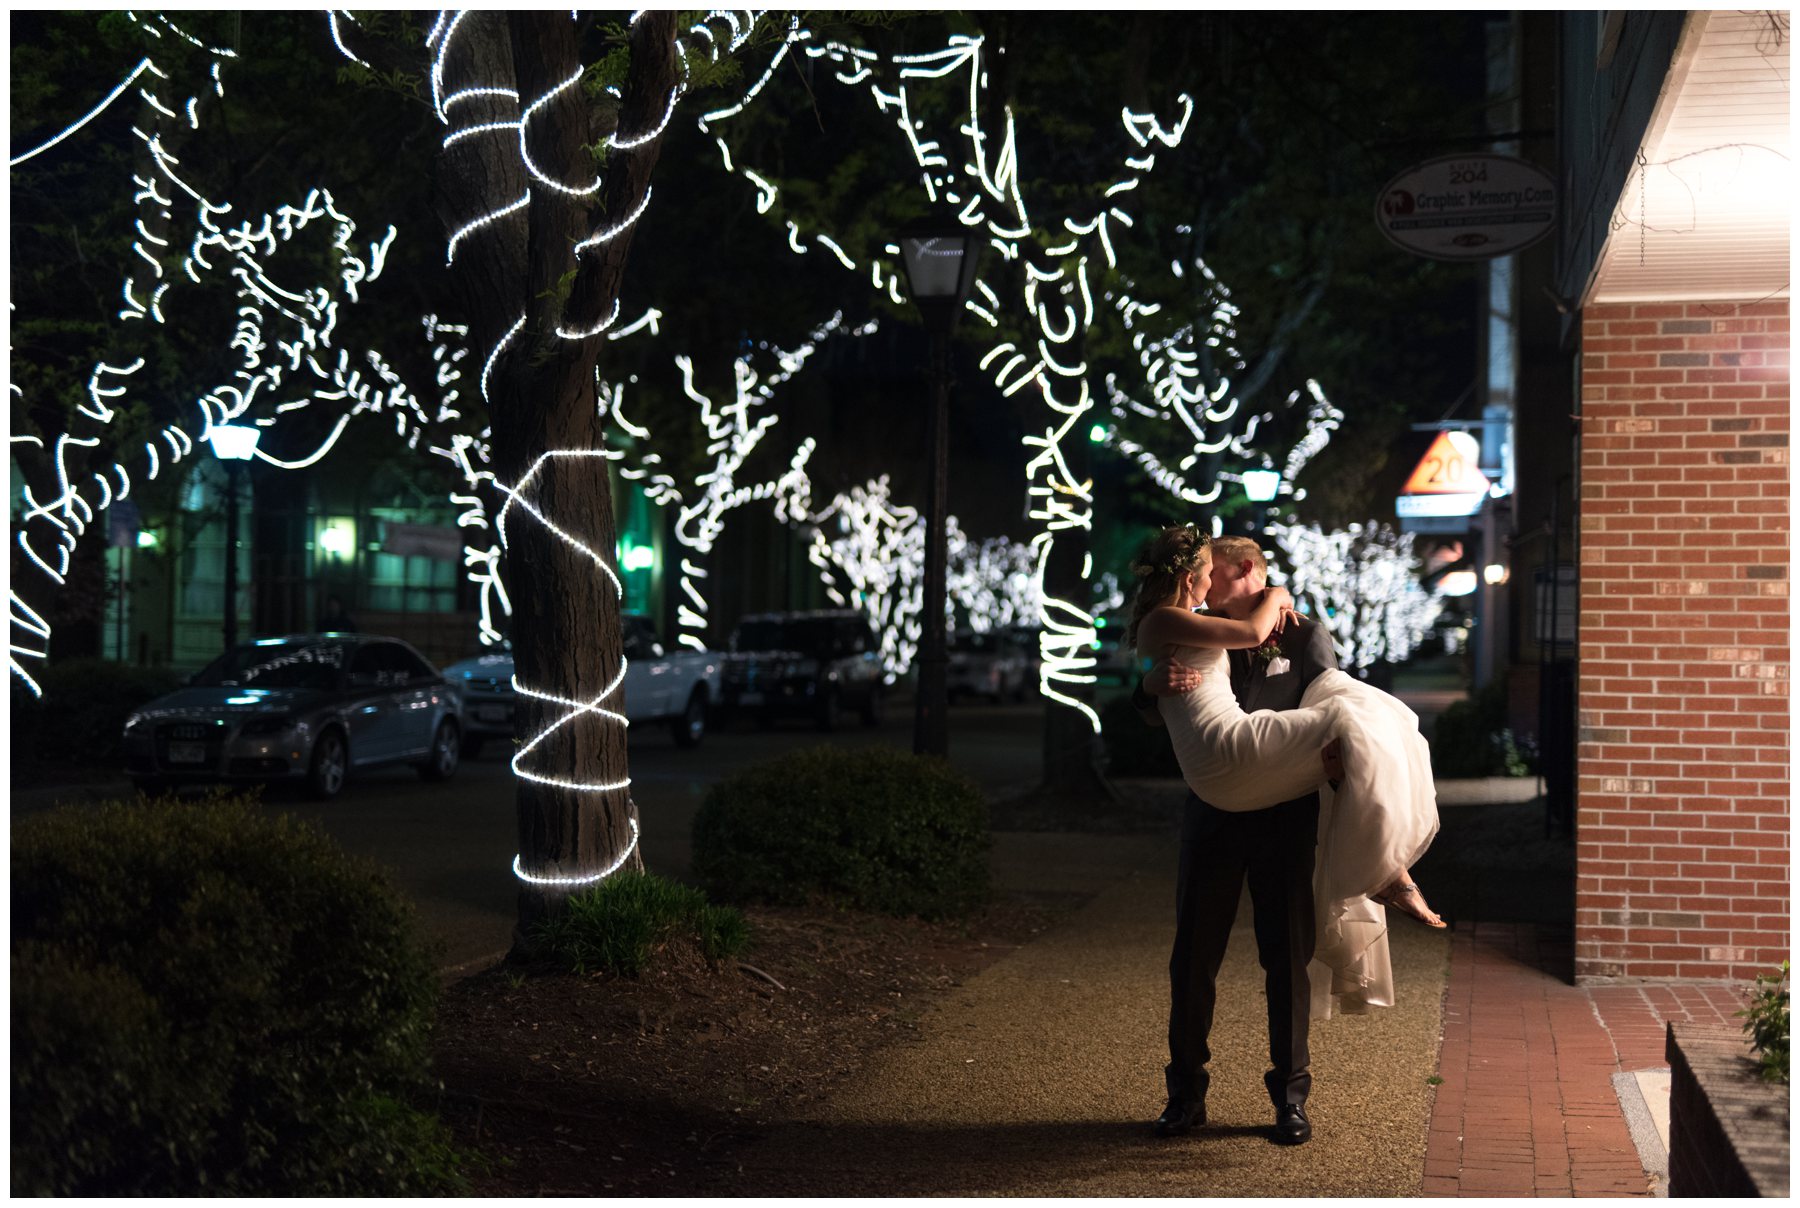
{"points": [[1673, 274]]}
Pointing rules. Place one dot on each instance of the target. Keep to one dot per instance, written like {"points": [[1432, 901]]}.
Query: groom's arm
{"points": [[1318, 655], [1145, 704], [1165, 678]]}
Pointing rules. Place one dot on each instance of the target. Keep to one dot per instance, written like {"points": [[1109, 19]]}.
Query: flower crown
{"points": [[1179, 563]]}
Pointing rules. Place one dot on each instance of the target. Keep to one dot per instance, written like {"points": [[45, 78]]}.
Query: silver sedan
{"points": [[310, 707]]}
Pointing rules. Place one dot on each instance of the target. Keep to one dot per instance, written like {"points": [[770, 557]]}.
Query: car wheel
{"points": [[829, 710], [330, 766], [446, 747], [873, 707], [471, 746], [690, 726]]}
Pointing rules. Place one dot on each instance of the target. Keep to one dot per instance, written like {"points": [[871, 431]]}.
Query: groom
{"points": [[1273, 848]]}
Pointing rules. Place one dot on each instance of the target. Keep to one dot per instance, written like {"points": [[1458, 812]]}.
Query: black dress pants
{"points": [[1274, 849]]}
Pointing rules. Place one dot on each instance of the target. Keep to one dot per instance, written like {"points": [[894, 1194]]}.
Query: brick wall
{"points": [[1682, 763]]}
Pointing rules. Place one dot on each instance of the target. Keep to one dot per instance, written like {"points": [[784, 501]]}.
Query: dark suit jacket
{"points": [[1309, 651]]}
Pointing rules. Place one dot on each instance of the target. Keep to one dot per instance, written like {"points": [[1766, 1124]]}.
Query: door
{"points": [[415, 689], [370, 711]]}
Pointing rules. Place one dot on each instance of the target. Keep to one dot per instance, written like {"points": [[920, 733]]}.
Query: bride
{"points": [[1379, 816]]}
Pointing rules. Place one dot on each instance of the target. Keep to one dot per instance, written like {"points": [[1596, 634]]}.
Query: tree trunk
{"points": [[521, 283]]}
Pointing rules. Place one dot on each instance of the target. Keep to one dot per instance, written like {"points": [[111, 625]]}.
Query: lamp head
{"points": [[1260, 485], [234, 442], [940, 261]]}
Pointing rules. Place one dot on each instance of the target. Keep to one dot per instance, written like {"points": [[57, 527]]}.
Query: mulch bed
{"points": [[603, 1085]]}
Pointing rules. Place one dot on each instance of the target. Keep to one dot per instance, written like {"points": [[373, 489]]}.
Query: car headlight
{"points": [[133, 721], [259, 726]]}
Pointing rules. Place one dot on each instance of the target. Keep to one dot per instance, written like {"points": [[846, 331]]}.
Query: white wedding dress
{"points": [[1379, 820]]}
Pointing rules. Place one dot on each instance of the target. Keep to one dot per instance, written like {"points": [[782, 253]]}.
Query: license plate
{"points": [[750, 698], [492, 713], [187, 752]]}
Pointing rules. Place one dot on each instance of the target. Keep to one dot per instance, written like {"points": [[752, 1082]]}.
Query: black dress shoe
{"points": [[1291, 1125], [1179, 1116]]}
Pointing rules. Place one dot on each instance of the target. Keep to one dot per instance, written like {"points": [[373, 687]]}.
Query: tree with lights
{"points": [[545, 167]]}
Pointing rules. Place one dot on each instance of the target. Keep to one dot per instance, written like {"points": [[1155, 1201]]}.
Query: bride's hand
{"points": [[1283, 598]]}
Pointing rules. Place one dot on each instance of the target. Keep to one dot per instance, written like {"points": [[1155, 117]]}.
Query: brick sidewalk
{"points": [[1527, 1105]]}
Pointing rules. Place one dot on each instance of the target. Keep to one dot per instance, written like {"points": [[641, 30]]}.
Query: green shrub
{"points": [[618, 925], [80, 718], [1766, 1023], [873, 828], [1134, 748], [1472, 738], [208, 1000]]}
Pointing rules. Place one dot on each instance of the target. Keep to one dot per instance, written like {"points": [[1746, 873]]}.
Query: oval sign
{"points": [[1467, 207]]}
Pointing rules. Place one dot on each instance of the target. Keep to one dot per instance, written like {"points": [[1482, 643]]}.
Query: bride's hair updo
{"points": [[1159, 567]]}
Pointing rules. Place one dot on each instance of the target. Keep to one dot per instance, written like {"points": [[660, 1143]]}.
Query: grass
{"points": [[619, 925]]}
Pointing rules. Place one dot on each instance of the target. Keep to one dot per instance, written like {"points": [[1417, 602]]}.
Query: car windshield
{"points": [[810, 635], [277, 665]]}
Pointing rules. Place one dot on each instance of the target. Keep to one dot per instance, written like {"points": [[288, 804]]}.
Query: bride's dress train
{"points": [[1379, 820]]}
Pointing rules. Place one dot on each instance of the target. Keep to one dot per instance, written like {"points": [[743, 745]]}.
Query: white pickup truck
{"points": [[679, 687]]}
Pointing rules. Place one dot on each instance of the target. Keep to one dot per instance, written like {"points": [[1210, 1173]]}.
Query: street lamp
{"points": [[232, 444], [940, 268], [1260, 485]]}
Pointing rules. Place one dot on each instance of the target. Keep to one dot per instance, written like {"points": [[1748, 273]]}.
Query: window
{"points": [[408, 582]]}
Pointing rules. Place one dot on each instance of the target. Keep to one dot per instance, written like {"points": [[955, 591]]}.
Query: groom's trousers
{"points": [[1273, 849]]}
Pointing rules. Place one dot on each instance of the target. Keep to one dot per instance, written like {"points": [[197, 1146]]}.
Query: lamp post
{"points": [[232, 444], [940, 268]]}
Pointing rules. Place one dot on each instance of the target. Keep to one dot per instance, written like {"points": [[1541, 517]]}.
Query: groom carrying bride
{"points": [[1273, 848], [1268, 718]]}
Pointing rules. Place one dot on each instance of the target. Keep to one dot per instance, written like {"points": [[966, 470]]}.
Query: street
{"points": [[449, 847]]}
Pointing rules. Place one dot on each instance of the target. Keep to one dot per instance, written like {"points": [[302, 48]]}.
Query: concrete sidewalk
{"points": [[1041, 1075]]}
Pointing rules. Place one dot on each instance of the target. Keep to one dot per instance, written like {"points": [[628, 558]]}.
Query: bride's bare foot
{"points": [[1403, 895]]}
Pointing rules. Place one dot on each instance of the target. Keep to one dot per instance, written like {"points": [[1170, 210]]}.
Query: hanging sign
{"points": [[422, 541], [1467, 207], [1446, 487]]}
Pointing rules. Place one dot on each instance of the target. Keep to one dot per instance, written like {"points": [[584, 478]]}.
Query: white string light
{"points": [[1057, 290], [1364, 588], [49, 532], [85, 118], [591, 878]]}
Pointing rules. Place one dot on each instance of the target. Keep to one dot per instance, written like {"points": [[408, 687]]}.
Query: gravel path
{"points": [[1040, 1077]]}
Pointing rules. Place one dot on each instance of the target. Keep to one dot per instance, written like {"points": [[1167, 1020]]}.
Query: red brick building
{"points": [[1674, 253]]}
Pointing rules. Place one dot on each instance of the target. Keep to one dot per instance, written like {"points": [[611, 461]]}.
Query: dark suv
{"points": [[809, 664]]}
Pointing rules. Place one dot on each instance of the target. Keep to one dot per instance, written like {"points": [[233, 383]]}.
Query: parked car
{"points": [[678, 687], [986, 664], [811, 664], [309, 707]]}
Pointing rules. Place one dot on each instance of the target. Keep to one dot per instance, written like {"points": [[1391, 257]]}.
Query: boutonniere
{"points": [[1270, 654]]}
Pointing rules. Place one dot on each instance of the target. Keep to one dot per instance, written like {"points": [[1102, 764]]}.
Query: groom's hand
{"points": [[1165, 679], [1168, 678]]}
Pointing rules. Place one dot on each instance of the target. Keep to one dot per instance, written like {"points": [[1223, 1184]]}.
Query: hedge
{"points": [[208, 1000], [872, 828]]}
